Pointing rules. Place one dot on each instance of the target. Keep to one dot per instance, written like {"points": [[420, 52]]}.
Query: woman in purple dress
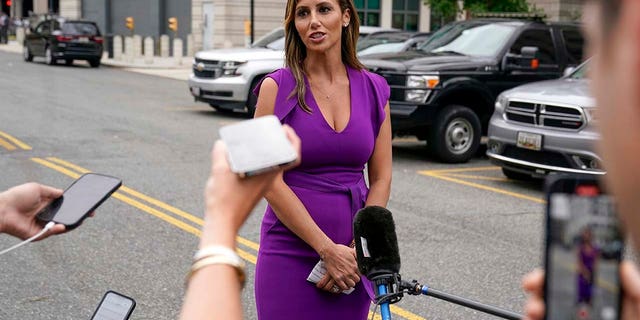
{"points": [[341, 113]]}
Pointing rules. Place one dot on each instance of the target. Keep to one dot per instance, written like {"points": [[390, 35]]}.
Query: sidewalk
{"points": [[161, 67]]}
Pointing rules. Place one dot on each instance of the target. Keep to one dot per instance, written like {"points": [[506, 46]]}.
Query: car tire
{"points": [[68, 62], [26, 54], [455, 136], [48, 57], [94, 63], [515, 175], [252, 99]]}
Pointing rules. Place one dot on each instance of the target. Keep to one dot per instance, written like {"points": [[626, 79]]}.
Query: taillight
{"points": [[64, 38], [98, 39]]}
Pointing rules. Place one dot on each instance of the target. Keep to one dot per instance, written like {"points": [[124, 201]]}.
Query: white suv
{"points": [[225, 78]]}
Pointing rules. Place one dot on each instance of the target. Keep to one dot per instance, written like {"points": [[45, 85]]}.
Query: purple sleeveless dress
{"points": [[330, 183]]}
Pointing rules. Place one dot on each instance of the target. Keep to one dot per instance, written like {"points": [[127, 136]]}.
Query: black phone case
{"points": [[48, 214], [129, 312]]}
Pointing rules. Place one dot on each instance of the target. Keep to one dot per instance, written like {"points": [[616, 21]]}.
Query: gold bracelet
{"points": [[216, 250], [216, 260]]}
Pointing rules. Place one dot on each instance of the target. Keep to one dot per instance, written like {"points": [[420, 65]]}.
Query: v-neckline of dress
{"points": [[317, 106]]}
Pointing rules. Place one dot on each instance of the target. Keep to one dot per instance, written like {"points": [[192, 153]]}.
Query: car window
{"points": [[540, 38], [80, 29], [43, 28], [580, 72], [269, 39], [478, 40], [574, 43]]}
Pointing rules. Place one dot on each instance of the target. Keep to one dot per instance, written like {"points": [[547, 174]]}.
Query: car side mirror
{"points": [[568, 71], [527, 60]]}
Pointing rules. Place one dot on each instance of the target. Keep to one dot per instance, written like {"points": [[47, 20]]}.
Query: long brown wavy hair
{"points": [[296, 52]]}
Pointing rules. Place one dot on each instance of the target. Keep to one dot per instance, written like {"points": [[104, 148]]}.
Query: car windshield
{"points": [[484, 40], [382, 48], [79, 29], [272, 40], [580, 72]]}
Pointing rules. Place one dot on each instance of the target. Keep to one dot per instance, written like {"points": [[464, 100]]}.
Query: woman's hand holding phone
{"points": [[19, 207], [230, 198]]}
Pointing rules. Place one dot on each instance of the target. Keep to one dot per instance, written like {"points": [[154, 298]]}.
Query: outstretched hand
{"points": [[19, 207]]}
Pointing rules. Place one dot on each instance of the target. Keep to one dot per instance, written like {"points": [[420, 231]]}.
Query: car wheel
{"points": [[68, 62], [455, 136], [48, 57], [252, 100], [94, 63], [26, 53], [515, 175]]}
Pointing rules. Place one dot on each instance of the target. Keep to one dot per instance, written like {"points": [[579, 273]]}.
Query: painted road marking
{"points": [[452, 175], [75, 171], [10, 143]]}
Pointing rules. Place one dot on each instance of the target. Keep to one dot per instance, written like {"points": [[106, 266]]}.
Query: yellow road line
{"points": [[5, 144], [468, 176], [479, 186], [15, 141], [463, 170], [190, 229]]}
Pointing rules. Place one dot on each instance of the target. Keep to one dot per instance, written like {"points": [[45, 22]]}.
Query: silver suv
{"points": [[224, 78], [545, 127]]}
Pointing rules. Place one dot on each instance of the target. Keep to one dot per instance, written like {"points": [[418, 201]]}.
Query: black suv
{"points": [[445, 91], [57, 39]]}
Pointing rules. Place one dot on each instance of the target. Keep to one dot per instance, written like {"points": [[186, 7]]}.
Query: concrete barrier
{"points": [[177, 50], [128, 49], [137, 46], [20, 35], [117, 47], [148, 50], [191, 45], [164, 46]]}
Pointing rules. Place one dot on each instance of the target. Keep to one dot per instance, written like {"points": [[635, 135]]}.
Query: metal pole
{"points": [[252, 20]]}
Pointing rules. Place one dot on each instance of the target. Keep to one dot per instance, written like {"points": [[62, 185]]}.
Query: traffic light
{"points": [[8, 3], [173, 24], [130, 23]]}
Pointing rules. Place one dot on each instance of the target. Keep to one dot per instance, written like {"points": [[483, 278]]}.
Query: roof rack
{"points": [[534, 16]]}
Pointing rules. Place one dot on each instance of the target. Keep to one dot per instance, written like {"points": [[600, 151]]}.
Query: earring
{"points": [[346, 24]]}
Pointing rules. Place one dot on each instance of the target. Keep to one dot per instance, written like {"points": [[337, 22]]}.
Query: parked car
{"points": [[224, 78], [384, 43], [445, 91], [68, 40], [545, 127]]}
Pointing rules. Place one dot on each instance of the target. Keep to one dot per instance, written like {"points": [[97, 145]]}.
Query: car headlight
{"points": [[423, 85], [230, 68], [501, 103]]}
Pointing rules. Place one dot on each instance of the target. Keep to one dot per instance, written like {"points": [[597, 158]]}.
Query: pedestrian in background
{"points": [[4, 28], [341, 113]]}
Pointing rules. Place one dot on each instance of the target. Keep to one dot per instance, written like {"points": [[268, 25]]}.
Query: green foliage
{"points": [[448, 8]]}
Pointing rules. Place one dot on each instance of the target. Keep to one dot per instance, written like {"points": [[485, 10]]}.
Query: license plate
{"points": [[83, 39], [529, 141], [195, 91]]}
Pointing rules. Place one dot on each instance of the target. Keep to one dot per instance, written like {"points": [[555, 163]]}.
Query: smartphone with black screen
{"points": [[114, 306], [81, 198], [257, 145], [584, 247]]}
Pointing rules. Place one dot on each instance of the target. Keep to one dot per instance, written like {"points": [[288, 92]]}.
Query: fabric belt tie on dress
{"points": [[322, 184]]}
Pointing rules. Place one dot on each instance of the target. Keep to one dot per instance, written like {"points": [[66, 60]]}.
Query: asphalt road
{"points": [[463, 229]]}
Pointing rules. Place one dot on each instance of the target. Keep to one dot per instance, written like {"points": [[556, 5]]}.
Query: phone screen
{"points": [[83, 196], [584, 249], [114, 306]]}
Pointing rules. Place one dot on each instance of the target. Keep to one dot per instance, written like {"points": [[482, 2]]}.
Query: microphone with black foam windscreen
{"points": [[377, 254]]}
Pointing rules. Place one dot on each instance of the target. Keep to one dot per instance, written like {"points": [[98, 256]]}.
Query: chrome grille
{"points": [[207, 68], [545, 115]]}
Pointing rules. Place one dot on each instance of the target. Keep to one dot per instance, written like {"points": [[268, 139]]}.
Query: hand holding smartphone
{"points": [[257, 145], [584, 247], [81, 198]]}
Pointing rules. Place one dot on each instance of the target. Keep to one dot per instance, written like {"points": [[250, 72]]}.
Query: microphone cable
{"points": [[46, 228], [386, 298]]}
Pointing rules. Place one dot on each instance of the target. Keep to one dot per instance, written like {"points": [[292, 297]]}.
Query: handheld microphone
{"points": [[377, 254]]}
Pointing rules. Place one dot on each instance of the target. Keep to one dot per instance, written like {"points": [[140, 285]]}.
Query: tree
{"points": [[448, 8]]}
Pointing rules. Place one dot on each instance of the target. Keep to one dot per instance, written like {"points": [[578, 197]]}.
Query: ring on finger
{"points": [[335, 289]]}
